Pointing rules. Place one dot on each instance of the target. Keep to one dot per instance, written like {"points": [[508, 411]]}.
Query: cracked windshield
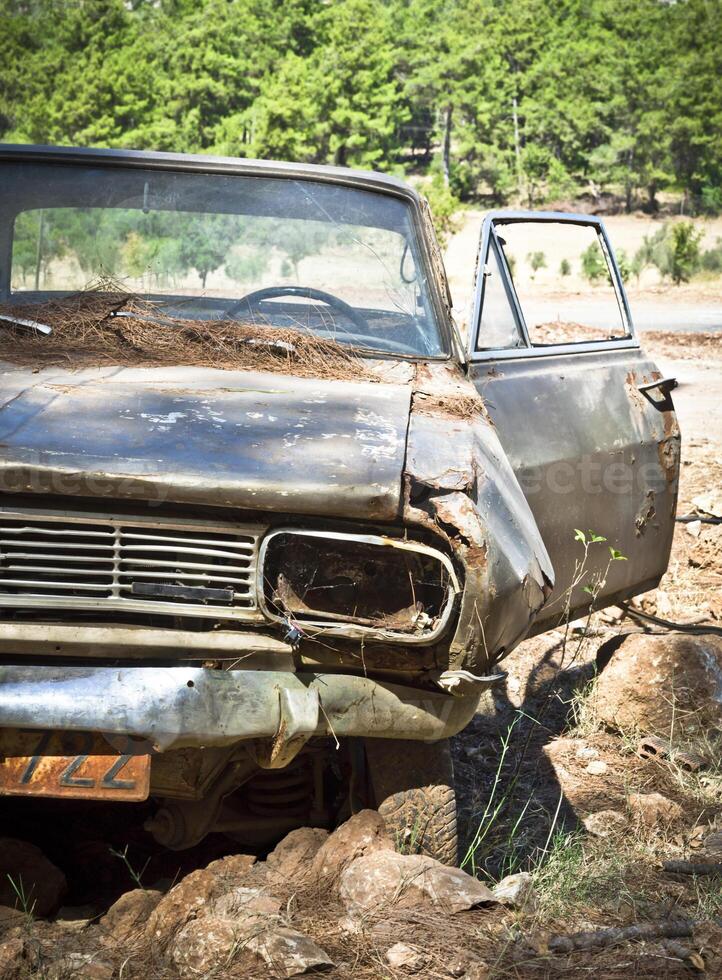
{"points": [[336, 262]]}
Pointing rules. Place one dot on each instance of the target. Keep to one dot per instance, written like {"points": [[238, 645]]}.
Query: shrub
{"points": [[655, 250], [711, 200], [624, 265], [565, 267], [537, 261], [594, 266], [711, 259], [685, 253], [444, 206]]}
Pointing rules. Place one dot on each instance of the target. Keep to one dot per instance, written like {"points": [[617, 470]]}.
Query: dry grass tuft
{"points": [[105, 325]]}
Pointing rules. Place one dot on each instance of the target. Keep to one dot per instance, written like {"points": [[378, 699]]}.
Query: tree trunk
{"points": [[446, 150], [517, 147], [39, 251]]}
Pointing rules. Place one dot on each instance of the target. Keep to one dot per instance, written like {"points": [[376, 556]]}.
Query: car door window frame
{"points": [[489, 235]]}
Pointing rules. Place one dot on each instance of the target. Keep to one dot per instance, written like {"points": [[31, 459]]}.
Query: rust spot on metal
{"points": [[646, 513], [668, 453]]}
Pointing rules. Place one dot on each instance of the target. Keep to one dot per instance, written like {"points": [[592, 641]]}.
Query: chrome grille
{"points": [[76, 561]]}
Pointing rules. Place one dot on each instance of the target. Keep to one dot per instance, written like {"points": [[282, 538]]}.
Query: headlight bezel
{"points": [[355, 631]]}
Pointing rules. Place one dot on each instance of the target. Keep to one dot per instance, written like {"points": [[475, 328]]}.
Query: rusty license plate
{"points": [[79, 765]]}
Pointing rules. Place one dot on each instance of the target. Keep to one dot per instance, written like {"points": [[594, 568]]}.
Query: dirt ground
{"points": [[530, 768], [587, 881]]}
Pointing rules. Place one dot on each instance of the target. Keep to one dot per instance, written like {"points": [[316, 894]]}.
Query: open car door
{"points": [[585, 417]]}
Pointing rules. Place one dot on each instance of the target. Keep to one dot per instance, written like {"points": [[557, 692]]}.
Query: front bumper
{"points": [[175, 707]]}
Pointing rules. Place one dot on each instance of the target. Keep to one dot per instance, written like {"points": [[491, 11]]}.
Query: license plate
{"points": [[79, 765]]}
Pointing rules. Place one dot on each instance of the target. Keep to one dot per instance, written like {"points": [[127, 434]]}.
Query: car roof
{"points": [[203, 163]]}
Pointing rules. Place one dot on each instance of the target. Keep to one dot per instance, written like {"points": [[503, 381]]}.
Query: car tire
{"points": [[412, 785]]}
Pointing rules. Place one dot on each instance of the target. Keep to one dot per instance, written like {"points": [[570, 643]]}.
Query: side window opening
{"points": [[499, 327], [564, 281]]}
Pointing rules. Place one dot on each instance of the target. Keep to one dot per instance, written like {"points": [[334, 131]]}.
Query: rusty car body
{"points": [[222, 568]]}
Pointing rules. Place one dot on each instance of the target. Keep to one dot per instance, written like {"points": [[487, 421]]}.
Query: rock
{"points": [[186, 901], [79, 966], [403, 957], [709, 503], [17, 958], [74, 918], [408, 880], [693, 528], [597, 767], [713, 844], [660, 684], [41, 883], [654, 810], [249, 907], [292, 857], [9, 918], [516, 891], [129, 914], [365, 833], [604, 823], [232, 867], [664, 604], [203, 945], [351, 925], [289, 953], [463, 965], [479, 971]]}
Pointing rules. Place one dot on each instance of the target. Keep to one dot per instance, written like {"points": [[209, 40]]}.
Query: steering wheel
{"points": [[251, 300]]}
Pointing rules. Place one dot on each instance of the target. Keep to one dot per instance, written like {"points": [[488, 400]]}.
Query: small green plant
{"points": [[685, 253], [493, 806], [537, 261], [565, 268], [136, 876], [594, 265], [407, 840], [711, 258], [624, 264], [654, 251], [22, 898]]}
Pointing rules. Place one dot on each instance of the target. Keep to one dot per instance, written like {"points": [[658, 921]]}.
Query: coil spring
{"points": [[289, 790]]}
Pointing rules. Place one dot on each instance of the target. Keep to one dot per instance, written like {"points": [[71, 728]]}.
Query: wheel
{"points": [[412, 784]]}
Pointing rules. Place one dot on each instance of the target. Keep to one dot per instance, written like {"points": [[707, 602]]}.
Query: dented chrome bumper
{"points": [[172, 707]]}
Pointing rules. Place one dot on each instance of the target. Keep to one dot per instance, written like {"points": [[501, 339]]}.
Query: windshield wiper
{"points": [[28, 324]]}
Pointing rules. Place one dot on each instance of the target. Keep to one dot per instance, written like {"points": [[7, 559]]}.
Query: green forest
{"points": [[491, 100]]}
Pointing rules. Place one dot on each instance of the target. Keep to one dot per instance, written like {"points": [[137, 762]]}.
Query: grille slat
{"points": [[241, 545], [34, 556], [76, 561], [4, 543], [33, 585], [165, 550], [186, 576], [182, 565]]}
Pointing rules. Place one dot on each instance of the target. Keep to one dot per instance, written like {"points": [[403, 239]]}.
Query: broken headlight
{"points": [[356, 584]]}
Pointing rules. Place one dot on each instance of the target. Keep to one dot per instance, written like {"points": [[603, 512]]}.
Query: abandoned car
{"points": [[268, 522]]}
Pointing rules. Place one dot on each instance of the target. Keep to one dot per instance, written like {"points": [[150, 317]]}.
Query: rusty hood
{"points": [[244, 439]]}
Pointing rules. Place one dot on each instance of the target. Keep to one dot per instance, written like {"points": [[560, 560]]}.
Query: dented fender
{"points": [[460, 482]]}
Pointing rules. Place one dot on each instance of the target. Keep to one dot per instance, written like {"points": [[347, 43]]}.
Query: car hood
{"points": [[242, 439]]}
